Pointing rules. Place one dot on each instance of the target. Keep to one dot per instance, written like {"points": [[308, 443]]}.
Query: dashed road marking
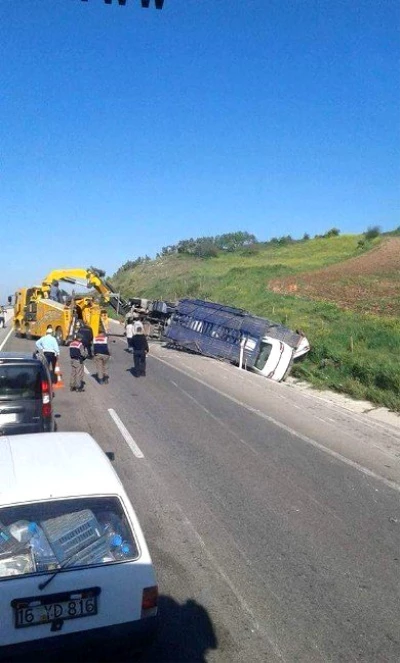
{"points": [[125, 434], [6, 339]]}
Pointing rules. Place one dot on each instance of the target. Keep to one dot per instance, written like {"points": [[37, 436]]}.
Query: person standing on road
{"points": [[87, 338], [49, 346], [129, 333], [78, 354], [101, 353], [140, 349]]}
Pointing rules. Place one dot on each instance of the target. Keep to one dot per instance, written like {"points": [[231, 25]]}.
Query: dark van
{"points": [[26, 394]]}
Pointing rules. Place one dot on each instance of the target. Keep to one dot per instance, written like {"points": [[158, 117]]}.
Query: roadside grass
{"points": [[352, 352]]}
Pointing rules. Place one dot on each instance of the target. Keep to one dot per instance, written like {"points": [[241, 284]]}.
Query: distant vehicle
{"points": [[74, 564], [26, 394], [234, 334], [156, 314]]}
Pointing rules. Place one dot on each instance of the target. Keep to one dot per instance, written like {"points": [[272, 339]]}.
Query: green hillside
{"points": [[352, 351]]}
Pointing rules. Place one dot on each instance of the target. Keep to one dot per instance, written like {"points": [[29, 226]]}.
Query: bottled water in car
{"points": [[22, 530], [43, 554], [119, 548], [123, 551]]}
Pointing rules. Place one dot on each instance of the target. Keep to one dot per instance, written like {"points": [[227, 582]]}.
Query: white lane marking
{"points": [[6, 339], [279, 424], [219, 422], [125, 434], [86, 370]]}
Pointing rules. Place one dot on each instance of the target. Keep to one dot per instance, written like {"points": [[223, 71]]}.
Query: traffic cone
{"points": [[59, 381]]}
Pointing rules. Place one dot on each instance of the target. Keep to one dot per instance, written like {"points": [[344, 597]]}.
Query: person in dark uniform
{"points": [[101, 353], [140, 349], [86, 334], [78, 354]]}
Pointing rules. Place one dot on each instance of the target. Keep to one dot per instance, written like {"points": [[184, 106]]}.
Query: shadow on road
{"points": [[185, 634]]}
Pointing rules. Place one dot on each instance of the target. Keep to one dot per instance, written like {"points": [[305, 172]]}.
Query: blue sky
{"points": [[126, 129]]}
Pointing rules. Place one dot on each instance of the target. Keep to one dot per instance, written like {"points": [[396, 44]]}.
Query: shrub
{"points": [[333, 232], [372, 232]]}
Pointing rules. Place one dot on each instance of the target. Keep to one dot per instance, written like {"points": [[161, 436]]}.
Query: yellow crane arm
{"points": [[92, 277], [69, 275]]}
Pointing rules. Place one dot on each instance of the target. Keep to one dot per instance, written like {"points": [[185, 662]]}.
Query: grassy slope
{"points": [[351, 352]]}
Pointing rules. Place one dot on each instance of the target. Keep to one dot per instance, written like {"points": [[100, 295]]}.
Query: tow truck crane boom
{"points": [[92, 277]]}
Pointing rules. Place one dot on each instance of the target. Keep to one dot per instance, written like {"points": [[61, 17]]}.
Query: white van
{"points": [[74, 564]]}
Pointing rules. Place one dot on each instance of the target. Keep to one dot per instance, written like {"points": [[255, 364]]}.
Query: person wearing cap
{"points": [[101, 353], [78, 354], [49, 346]]}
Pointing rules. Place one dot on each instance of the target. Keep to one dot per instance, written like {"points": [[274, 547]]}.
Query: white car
{"points": [[74, 564]]}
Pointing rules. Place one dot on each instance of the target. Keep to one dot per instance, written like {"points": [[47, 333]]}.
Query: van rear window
{"points": [[19, 382], [63, 534]]}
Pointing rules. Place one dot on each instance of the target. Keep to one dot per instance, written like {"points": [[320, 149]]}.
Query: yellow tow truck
{"points": [[35, 308]]}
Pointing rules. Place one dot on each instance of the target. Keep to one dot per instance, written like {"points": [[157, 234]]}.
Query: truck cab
{"points": [[274, 359]]}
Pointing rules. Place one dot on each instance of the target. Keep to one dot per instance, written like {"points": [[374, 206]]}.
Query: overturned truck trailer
{"points": [[235, 335]]}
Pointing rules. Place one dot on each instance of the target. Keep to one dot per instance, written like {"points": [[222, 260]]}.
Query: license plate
{"points": [[8, 418], [36, 611]]}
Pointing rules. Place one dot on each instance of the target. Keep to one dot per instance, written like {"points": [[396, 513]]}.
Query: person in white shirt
{"points": [[129, 333], [49, 346]]}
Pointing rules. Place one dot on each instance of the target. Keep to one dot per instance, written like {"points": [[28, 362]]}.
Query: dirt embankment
{"points": [[369, 283]]}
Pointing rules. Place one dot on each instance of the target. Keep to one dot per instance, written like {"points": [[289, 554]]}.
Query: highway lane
{"points": [[267, 547]]}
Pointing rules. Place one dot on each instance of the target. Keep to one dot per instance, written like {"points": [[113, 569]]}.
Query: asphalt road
{"points": [[273, 518]]}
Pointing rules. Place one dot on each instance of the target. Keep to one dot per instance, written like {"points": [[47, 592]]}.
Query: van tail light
{"points": [[149, 601], [46, 404]]}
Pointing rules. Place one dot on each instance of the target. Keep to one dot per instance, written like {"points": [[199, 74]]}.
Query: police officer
{"points": [[78, 354], [101, 354]]}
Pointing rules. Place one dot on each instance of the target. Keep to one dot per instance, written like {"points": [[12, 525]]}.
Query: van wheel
{"points": [[59, 336]]}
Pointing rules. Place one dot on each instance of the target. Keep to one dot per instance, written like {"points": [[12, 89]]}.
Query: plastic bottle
{"points": [[43, 554], [123, 551], [7, 542], [21, 530]]}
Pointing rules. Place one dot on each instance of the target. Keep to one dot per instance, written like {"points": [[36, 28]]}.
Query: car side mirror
{"points": [[110, 455]]}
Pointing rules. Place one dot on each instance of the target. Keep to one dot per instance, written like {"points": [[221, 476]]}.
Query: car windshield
{"points": [[19, 381], [45, 536], [265, 351]]}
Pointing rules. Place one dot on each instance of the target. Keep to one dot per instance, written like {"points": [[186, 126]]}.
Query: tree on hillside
{"points": [[234, 241], [333, 232], [372, 232]]}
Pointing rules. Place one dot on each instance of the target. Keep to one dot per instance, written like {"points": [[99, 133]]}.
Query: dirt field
{"points": [[369, 283]]}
